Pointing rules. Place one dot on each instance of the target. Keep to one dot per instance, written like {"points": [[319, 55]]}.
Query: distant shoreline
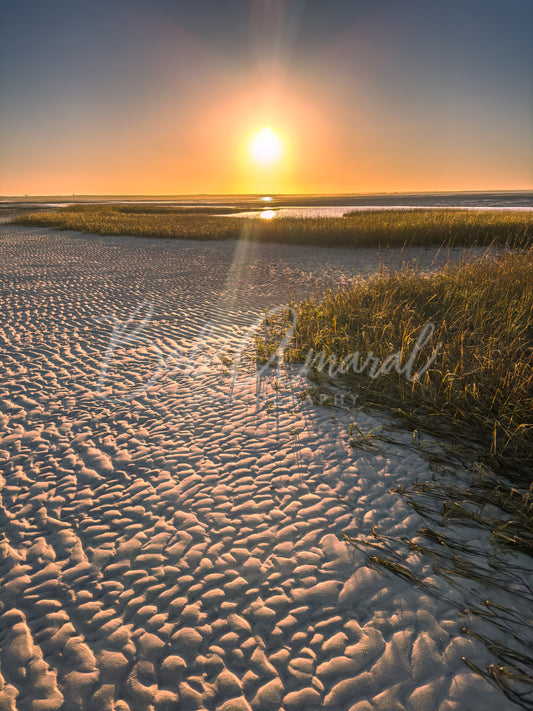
{"points": [[490, 198]]}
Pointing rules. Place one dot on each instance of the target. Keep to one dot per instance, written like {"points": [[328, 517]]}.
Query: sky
{"points": [[164, 97]]}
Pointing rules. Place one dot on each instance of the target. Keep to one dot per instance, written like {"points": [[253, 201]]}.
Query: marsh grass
{"points": [[476, 398], [369, 228], [480, 385]]}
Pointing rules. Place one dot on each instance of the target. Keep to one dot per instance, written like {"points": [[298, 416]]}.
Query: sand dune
{"points": [[180, 547]]}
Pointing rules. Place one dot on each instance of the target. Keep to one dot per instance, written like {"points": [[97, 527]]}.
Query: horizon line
{"points": [[28, 196]]}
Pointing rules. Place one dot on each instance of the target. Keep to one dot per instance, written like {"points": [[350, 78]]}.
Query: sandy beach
{"points": [[172, 527]]}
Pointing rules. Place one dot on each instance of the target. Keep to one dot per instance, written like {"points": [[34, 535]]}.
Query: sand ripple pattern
{"points": [[182, 550]]}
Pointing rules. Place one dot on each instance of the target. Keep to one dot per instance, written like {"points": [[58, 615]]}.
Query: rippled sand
{"points": [[177, 546]]}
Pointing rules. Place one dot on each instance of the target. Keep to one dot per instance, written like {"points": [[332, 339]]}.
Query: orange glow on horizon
{"points": [[309, 144]]}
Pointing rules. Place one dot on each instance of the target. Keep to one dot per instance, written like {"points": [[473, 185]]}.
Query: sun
{"points": [[266, 147]]}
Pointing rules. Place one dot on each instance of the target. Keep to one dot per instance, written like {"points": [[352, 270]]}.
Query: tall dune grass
{"points": [[478, 390], [480, 384], [369, 228]]}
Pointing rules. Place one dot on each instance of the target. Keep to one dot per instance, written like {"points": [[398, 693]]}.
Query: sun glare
{"points": [[266, 147]]}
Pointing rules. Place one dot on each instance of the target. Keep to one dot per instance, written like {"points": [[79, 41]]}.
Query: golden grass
{"points": [[369, 228], [480, 384]]}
